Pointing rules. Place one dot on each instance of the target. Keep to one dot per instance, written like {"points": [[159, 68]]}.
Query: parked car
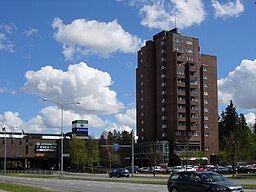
{"points": [[135, 169], [159, 169], [175, 169], [221, 169], [194, 181], [244, 169], [119, 172], [145, 170], [205, 168]]}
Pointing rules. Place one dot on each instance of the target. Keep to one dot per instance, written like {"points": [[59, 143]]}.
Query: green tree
{"points": [[254, 128], [92, 150], [235, 137], [126, 136], [77, 152]]}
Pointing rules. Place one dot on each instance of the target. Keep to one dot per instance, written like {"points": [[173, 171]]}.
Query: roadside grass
{"points": [[31, 175], [21, 188]]}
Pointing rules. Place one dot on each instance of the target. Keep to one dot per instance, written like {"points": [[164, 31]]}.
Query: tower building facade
{"points": [[176, 96]]}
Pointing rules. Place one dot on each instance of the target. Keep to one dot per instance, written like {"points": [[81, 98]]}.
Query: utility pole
{"points": [[132, 153]]}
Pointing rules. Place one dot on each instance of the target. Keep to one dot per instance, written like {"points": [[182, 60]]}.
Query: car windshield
{"points": [[212, 177]]}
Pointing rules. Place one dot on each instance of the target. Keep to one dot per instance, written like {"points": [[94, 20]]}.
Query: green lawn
{"points": [[21, 188]]}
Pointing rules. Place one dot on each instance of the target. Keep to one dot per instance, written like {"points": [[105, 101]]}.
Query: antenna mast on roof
{"points": [[175, 22]]}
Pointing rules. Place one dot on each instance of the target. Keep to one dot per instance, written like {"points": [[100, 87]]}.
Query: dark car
{"points": [[196, 181], [119, 172], [135, 169], [221, 170]]}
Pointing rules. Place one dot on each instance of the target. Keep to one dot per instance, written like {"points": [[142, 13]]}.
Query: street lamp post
{"points": [[61, 105], [132, 153], [4, 129]]}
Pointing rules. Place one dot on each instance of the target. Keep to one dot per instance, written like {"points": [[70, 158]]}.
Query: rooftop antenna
{"points": [[175, 24]]}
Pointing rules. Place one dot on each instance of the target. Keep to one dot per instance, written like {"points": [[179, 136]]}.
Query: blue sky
{"points": [[86, 51]]}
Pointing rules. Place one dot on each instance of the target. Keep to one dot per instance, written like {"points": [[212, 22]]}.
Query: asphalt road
{"points": [[85, 186], [96, 186]]}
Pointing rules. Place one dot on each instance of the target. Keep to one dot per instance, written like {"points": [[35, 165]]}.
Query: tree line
{"points": [[86, 153], [236, 138]]}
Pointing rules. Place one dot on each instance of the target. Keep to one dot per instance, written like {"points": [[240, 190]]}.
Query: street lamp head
{"points": [[44, 99], [78, 102]]}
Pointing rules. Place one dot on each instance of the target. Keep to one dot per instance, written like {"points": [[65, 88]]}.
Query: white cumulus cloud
{"points": [[239, 86], [6, 44], [31, 31], [250, 119], [163, 15], [129, 118], [229, 9], [85, 37], [89, 86]]}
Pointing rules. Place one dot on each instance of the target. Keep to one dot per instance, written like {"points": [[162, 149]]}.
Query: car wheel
{"points": [[110, 176], [174, 190], [127, 176], [118, 176]]}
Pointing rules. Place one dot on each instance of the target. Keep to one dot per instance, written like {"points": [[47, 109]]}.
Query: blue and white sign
{"points": [[116, 146]]}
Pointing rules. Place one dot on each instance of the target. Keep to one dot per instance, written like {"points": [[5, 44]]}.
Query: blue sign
{"points": [[116, 146], [82, 130]]}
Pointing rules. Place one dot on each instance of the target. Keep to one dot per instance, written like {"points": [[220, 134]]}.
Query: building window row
{"points": [[163, 101], [163, 67], [195, 116], [176, 48], [190, 133], [192, 90], [180, 123], [180, 72], [193, 124], [190, 58], [163, 76], [181, 115], [193, 82], [163, 59], [193, 99], [193, 133], [181, 64], [164, 109], [164, 117], [178, 40], [181, 106], [188, 50], [195, 108], [163, 50], [181, 80]]}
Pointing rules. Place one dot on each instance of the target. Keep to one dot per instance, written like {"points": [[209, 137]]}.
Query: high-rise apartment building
{"points": [[177, 104]]}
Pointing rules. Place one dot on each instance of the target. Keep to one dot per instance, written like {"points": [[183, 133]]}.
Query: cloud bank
{"points": [[229, 9], [164, 15], [239, 86], [85, 37]]}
